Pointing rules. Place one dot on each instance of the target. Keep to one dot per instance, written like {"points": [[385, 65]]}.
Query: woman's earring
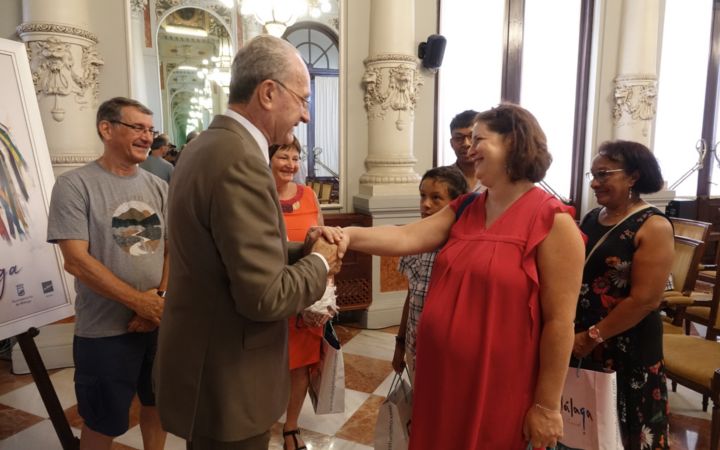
{"points": [[630, 194]]}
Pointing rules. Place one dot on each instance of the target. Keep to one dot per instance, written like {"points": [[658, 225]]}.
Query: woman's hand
{"points": [[543, 427], [398, 361], [583, 345]]}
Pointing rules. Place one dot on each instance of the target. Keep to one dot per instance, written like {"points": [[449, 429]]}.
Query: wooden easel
{"points": [[47, 391]]}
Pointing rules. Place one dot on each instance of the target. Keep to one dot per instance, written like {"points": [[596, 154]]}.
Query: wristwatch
{"points": [[594, 334]]}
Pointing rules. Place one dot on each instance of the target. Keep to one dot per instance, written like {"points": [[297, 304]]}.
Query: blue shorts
{"points": [[108, 373]]}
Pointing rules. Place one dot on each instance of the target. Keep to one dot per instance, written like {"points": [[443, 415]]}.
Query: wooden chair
{"points": [[684, 274], [693, 229], [700, 308], [694, 362]]}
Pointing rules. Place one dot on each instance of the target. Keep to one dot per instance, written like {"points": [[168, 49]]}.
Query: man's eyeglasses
{"points": [[304, 101], [138, 128], [460, 138], [601, 175]]}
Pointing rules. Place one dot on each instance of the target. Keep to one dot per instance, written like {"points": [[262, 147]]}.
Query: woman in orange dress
{"points": [[301, 211]]}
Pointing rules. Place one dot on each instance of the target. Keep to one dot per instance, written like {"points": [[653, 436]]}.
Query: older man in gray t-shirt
{"points": [[108, 218]]}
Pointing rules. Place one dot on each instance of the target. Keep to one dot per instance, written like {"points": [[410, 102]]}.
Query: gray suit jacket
{"points": [[221, 370]]}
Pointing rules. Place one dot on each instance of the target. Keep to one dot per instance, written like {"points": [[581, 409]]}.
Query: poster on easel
{"points": [[34, 288]]}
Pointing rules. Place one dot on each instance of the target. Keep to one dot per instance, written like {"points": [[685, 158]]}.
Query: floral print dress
{"points": [[636, 354]]}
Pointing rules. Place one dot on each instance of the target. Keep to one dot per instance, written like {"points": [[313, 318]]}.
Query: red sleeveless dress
{"points": [[478, 342], [301, 213]]}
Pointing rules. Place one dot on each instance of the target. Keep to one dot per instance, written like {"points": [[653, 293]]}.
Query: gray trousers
{"points": [[259, 442]]}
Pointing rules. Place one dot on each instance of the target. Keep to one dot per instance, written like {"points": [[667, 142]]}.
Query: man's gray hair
{"points": [[265, 57]]}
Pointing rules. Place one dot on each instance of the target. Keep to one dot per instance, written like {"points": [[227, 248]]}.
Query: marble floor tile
{"points": [[365, 374], [688, 403], [314, 441], [689, 433], [39, 436], [27, 398], [13, 421], [133, 439], [391, 330], [73, 417], [10, 382], [346, 332], [373, 344], [329, 424], [384, 388], [361, 426]]}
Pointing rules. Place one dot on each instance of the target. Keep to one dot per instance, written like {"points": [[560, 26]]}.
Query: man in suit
{"points": [[221, 373]]}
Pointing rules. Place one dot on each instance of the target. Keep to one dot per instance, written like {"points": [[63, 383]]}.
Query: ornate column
{"points": [[636, 83], [65, 67], [391, 83], [138, 80], [635, 91], [388, 190]]}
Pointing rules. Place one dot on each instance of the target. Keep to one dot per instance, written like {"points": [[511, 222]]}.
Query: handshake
{"points": [[330, 242]]}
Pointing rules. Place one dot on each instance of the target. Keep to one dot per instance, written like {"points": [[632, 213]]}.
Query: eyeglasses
{"points": [[460, 138], [304, 101], [138, 128], [601, 175]]}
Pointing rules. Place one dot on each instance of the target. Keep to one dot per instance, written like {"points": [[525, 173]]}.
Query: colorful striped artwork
{"points": [[14, 197]]}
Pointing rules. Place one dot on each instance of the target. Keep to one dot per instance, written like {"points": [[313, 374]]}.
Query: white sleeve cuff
{"points": [[327, 266]]}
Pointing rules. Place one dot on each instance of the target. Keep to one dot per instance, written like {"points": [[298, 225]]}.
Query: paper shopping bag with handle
{"points": [[392, 429], [327, 380], [589, 409]]}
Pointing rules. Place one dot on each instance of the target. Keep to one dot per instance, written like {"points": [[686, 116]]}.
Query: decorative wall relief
{"points": [[137, 7], [635, 99], [67, 67], [391, 83]]}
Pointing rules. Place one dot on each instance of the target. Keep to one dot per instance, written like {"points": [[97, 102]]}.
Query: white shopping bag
{"points": [[392, 429], [589, 410], [327, 379]]}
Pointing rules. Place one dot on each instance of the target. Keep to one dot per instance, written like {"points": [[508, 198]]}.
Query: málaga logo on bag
{"points": [[570, 409]]}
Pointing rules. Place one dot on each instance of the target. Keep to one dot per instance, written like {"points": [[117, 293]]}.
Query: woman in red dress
{"points": [[301, 211], [497, 329]]}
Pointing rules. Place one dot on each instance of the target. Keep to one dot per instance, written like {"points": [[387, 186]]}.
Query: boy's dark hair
{"points": [[463, 120], [450, 175]]}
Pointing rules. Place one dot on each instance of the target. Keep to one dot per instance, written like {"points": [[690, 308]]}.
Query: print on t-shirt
{"points": [[137, 228]]}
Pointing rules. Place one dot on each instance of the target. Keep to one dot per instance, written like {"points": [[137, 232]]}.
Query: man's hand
{"points": [[140, 325], [333, 235], [330, 252], [151, 306]]}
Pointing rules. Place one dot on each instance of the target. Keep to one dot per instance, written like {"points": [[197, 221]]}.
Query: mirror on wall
{"points": [[195, 52], [195, 48]]}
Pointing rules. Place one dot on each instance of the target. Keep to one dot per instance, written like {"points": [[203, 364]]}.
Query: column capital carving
{"points": [[57, 72], [137, 7], [39, 27], [72, 159], [392, 83], [635, 98]]}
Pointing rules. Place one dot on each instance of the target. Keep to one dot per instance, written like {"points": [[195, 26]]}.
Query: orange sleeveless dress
{"points": [[301, 213]]}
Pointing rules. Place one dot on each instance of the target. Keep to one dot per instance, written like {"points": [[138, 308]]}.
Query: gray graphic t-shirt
{"points": [[123, 221]]}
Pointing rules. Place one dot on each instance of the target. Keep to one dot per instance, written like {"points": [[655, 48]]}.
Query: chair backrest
{"points": [[685, 263], [693, 229]]}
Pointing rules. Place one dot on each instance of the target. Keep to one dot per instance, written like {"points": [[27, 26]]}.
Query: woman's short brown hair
{"points": [[294, 145], [528, 157]]}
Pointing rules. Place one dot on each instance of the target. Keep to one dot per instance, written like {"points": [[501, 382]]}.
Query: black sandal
{"points": [[294, 434]]}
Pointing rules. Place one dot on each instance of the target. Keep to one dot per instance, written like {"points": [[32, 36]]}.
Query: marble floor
{"points": [[24, 423]]}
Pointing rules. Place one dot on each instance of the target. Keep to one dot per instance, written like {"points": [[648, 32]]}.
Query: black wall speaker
{"points": [[432, 51]]}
